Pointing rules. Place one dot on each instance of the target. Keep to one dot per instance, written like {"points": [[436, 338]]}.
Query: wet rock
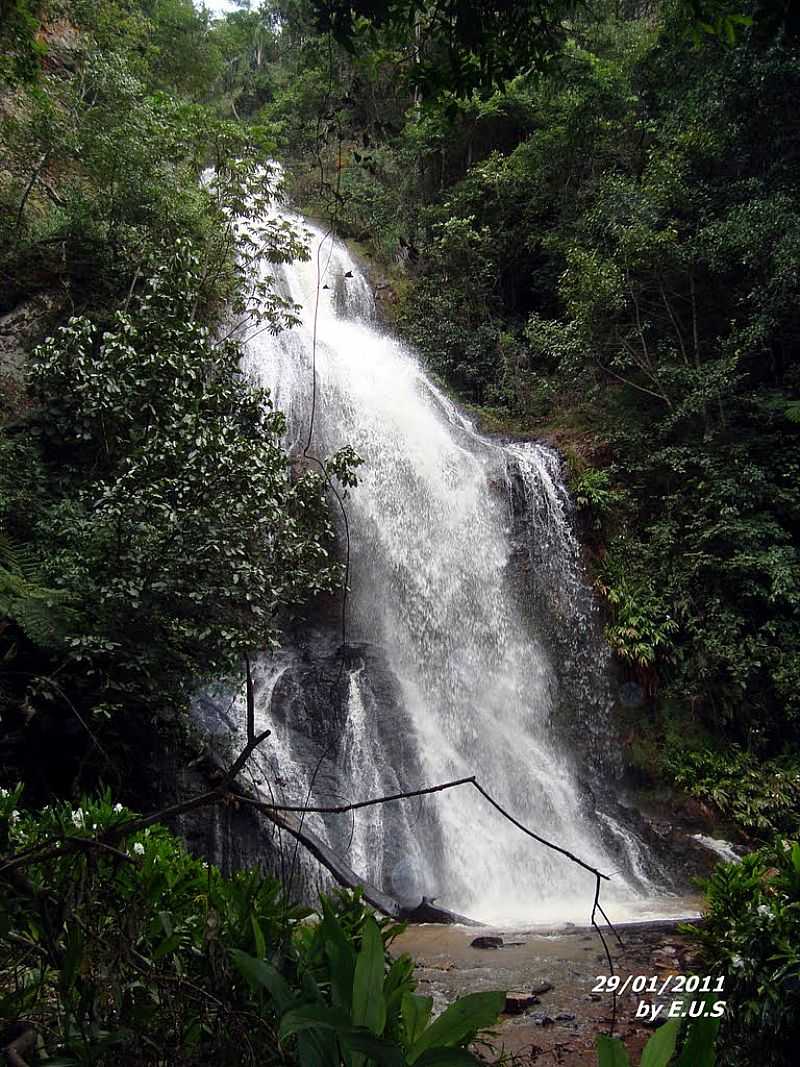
{"points": [[543, 986], [566, 1017], [592, 996], [541, 1018], [517, 1003], [442, 965], [429, 912], [487, 941]]}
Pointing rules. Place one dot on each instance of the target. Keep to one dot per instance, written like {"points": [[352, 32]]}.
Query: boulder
{"points": [[517, 1003], [487, 941]]}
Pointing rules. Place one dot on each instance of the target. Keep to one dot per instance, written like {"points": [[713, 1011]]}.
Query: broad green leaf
{"points": [[611, 1052], [169, 944], [460, 1021], [660, 1048], [263, 973], [73, 955], [341, 968], [416, 1012], [448, 1057], [380, 1051], [258, 936], [698, 1048], [318, 1048], [314, 1020], [369, 1005], [312, 1017], [340, 954]]}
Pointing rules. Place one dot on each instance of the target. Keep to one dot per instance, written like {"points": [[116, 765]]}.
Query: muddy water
{"points": [[562, 1027]]}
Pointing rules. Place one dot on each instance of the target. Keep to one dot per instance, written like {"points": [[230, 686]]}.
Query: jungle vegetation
{"points": [[585, 216]]}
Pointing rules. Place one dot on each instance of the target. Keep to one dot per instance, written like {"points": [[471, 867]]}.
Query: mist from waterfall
{"points": [[465, 622]]}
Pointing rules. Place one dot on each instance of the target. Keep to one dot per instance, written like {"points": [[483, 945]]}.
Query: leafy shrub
{"points": [[751, 937], [694, 1047], [641, 628], [761, 796], [593, 490], [119, 948]]}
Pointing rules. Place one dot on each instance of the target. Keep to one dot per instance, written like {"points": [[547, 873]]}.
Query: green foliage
{"points": [[751, 937], [141, 469], [133, 952], [44, 615], [695, 1047], [641, 628], [592, 488], [761, 796], [120, 954], [461, 46], [20, 52], [177, 525], [609, 249], [359, 1002]]}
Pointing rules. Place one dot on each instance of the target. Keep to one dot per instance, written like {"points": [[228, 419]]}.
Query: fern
{"points": [[44, 615]]}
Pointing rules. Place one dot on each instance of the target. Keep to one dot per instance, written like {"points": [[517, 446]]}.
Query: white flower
{"points": [[117, 809], [4, 793], [764, 911], [138, 849], [78, 819], [14, 817], [737, 962]]}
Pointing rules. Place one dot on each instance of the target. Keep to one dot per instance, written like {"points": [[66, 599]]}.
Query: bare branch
{"points": [[36, 172], [340, 809], [537, 837]]}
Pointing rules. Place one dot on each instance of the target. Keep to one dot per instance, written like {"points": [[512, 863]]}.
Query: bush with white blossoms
{"points": [[121, 950], [751, 937], [113, 943]]}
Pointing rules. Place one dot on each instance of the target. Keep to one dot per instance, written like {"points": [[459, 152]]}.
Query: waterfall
{"points": [[471, 639]]}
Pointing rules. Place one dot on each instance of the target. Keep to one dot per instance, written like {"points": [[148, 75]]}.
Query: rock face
{"points": [[20, 329], [308, 697]]}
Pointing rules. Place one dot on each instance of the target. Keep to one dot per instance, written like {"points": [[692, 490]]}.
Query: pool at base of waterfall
{"points": [[577, 912], [551, 978]]}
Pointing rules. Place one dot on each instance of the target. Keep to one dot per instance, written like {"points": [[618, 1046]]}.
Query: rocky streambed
{"points": [[553, 1012]]}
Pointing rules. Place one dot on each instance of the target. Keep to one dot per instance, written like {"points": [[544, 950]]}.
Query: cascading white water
{"points": [[435, 583]]}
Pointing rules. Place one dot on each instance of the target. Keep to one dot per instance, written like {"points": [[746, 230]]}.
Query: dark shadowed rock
{"points": [[517, 1003], [429, 912], [487, 941], [542, 1018]]}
